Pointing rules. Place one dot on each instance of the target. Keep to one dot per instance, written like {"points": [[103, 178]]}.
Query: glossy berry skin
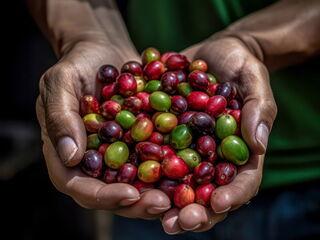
{"points": [[169, 82], [150, 151], [216, 105], [149, 171], [181, 75], [198, 80], [202, 124], [156, 138], [110, 132], [168, 186], [224, 89], [166, 55], [127, 173], [183, 195], [88, 104], [198, 65], [174, 167], [125, 118], [225, 172], [167, 151], [93, 122], [234, 104], [212, 88], [177, 62], [107, 74], [165, 122], [144, 97], [184, 89], [142, 129], [109, 109], [190, 157], [110, 176], [189, 180], [132, 104], [132, 67], [109, 90], [91, 163], [181, 137], [102, 148], [118, 98], [141, 83], [178, 104], [116, 155], [93, 141], [235, 150], [185, 117], [206, 146], [212, 78], [127, 84], [142, 186], [150, 54], [197, 101], [204, 172], [226, 125], [203, 194], [160, 101], [154, 70], [152, 86]]}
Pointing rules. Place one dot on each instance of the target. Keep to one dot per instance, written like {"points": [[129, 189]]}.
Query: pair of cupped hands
{"points": [[64, 135]]}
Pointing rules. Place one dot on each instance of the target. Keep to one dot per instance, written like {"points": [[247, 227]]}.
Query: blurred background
{"points": [[31, 208]]}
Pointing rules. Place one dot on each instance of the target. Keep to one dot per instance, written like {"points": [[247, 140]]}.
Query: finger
{"points": [[170, 222], [241, 189], [86, 191], [259, 110], [61, 106], [196, 217], [191, 52], [152, 203]]}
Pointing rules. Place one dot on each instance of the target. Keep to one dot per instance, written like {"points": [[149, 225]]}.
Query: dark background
{"points": [[30, 207]]}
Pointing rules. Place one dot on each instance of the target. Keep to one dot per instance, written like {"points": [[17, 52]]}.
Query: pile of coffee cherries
{"points": [[166, 123]]}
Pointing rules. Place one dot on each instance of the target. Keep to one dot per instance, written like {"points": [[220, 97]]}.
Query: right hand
{"points": [[64, 135]]}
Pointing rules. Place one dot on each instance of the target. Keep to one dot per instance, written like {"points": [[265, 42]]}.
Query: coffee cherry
{"points": [[107, 74]]}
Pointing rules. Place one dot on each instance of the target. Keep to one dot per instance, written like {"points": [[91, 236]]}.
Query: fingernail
{"points": [[223, 211], [194, 228], [129, 201], [172, 223], [262, 134], [67, 148], [157, 210], [172, 233]]}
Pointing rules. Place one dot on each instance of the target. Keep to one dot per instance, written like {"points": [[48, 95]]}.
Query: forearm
{"points": [[282, 34], [66, 22]]}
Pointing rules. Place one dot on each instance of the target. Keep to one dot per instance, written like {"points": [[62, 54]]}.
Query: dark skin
{"points": [[87, 34]]}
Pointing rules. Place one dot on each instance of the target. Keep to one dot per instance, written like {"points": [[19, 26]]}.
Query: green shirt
{"points": [[294, 146]]}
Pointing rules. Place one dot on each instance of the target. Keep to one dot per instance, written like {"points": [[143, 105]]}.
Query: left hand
{"points": [[231, 60]]}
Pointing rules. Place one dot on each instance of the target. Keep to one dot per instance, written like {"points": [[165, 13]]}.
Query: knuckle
{"points": [[271, 108], [58, 76]]}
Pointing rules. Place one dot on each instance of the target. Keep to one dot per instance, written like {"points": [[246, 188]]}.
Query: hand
{"points": [[231, 60], [64, 135]]}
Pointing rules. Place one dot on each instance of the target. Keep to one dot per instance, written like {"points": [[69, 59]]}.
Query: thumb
{"points": [[259, 110], [63, 122]]}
